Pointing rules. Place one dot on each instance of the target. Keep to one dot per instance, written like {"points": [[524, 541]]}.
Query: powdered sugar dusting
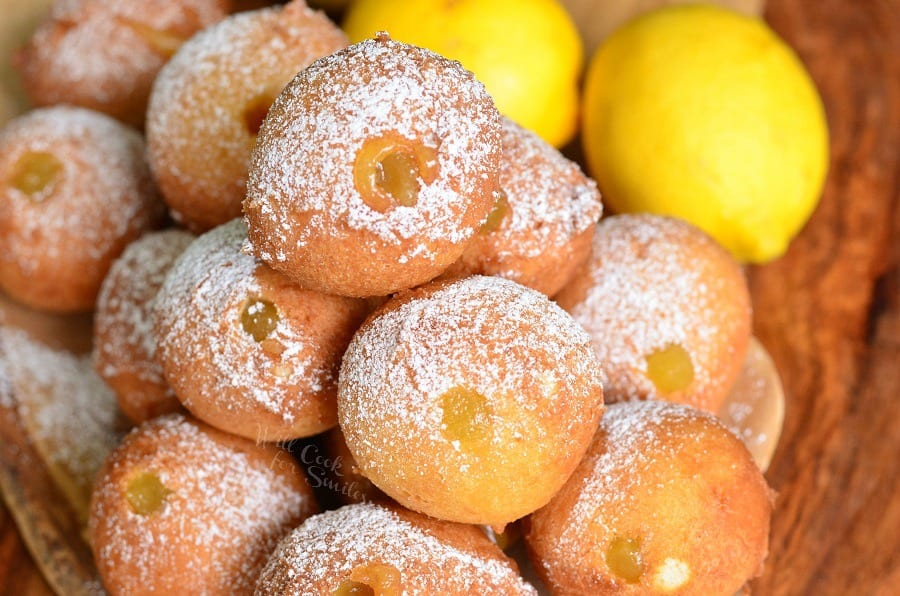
{"points": [[544, 234], [326, 548], [302, 169], [551, 200], [489, 335], [200, 334], [635, 434], [104, 192], [87, 55], [652, 282], [65, 405], [633, 437], [196, 129], [124, 342], [227, 508]]}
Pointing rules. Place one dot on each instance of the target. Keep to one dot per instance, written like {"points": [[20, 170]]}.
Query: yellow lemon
{"points": [[526, 52], [704, 114]]}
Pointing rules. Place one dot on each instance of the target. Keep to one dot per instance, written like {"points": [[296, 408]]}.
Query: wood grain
{"points": [[829, 313], [18, 573]]}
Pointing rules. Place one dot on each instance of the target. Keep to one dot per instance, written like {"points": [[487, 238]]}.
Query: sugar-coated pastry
{"points": [[104, 54], [667, 308], [666, 501], [541, 230], [470, 401], [124, 343], [246, 350], [383, 549], [373, 170], [74, 191], [210, 99], [182, 508]]}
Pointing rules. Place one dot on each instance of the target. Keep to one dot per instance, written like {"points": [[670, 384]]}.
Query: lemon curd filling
{"points": [[499, 213], [389, 170], [35, 174], [466, 418], [670, 368], [259, 318], [374, 579], [256, 111], [624, 559], [146, 494], [164, 43]]}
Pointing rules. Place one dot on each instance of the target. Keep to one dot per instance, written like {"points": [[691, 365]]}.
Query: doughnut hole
{"points": [[36, 174], [474, 371], [374, 579], [146, 494], [217, 505], [75, 191], [164, 43], [381, 549], [623, 556], [682, 312], [466, 418], [390, 169], [670, 368], [602, 533], [498, 214], [259, 317]]}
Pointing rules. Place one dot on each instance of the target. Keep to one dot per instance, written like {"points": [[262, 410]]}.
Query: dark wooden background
{"points": [[829, 312]]}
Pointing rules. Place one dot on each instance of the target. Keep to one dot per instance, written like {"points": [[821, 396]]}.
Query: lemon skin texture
{"points": [[701, 113]]}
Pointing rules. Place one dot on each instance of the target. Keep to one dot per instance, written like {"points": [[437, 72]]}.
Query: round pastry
{"points": [[210, 99], [382, 549], [74, 191], [373, 170], [540, 232], [667, 308], [667, 500], [182, 508], [246, 350], [124, 344], [104, 55], [470, 401]]}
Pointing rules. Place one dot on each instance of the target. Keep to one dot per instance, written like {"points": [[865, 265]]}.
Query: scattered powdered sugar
{"points": [[124, 342], [227, 508], [7, 400], [668, 476], [87, 54], [326, 548], [633, 437], [64, 404], [206, 354], [104, 193], [551, 200], [543, 234], [303, 166], [196, 128], [510, 344], [652, 282]]}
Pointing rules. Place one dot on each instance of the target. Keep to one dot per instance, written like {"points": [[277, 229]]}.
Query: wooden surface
{"points": [[18, 574], [829, 313]]}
